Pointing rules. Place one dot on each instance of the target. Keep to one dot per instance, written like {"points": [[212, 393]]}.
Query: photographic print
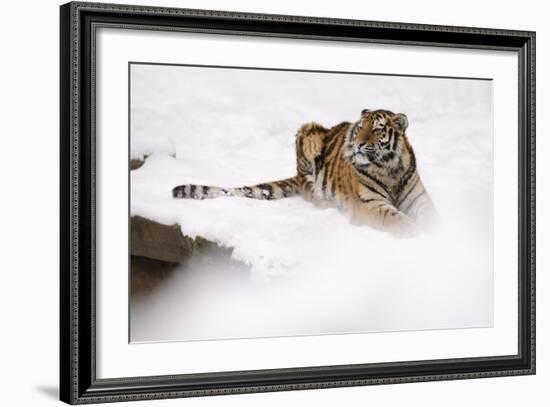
{"points": [[267, 203], [255, 202]]}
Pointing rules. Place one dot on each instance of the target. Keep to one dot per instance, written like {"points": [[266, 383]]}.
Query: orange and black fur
{"points": [[367, 169]]}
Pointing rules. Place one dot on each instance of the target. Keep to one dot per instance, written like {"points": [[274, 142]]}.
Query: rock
{"points": [[156, 246], [147, 274], [158, 241]]}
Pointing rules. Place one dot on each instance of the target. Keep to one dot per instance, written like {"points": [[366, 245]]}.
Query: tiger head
{"points": [[378, 137]]}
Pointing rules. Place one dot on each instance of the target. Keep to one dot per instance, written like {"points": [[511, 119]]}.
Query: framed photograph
{"points": [[255, 203]]}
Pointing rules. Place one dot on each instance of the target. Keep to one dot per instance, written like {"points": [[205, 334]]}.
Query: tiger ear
{"points": [[400, 121], [364, 111]]}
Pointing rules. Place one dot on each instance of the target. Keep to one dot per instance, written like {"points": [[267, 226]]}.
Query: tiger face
{"points": [[376, 138]]}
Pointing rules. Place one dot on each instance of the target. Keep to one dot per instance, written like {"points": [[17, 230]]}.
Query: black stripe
{"points": [[192, 191], [291, 185], [374, 190], [333, 187], [179, 191], [410, 205], [247, 191], [333, 143], [362, 169], [319, 166], [408, 174], [301, 143], [284, 186], [375, 180], [305, 164], [395, 137], [388, 156], [328, 172], [390, 138], [268, 188], [367, 200], [319, 161], [402, 199], [324, 182]]}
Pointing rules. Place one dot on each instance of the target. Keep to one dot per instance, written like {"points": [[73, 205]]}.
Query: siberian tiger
{"points": [[367, 169]]}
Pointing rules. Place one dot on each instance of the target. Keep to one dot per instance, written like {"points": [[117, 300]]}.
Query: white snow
{"points": [[312, 272]]}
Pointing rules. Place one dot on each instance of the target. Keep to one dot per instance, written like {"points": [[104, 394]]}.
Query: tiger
{"points": [[367, 169]]}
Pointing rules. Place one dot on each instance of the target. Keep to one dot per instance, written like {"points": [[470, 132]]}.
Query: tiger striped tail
{"points": [[269, 190]]}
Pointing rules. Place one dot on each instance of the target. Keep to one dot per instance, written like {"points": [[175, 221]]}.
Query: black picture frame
{"points": [[78, 382]]}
